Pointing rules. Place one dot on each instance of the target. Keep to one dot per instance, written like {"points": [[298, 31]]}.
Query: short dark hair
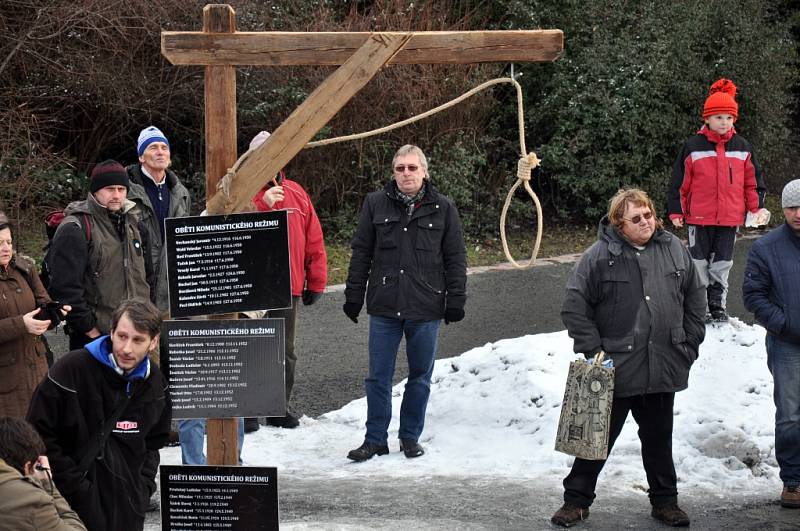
{"points": [[144, 316], [19, 443], [4, 224]]}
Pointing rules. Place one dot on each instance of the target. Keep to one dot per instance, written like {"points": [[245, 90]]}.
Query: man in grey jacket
{"points": [[635, 294], [159, 194]]}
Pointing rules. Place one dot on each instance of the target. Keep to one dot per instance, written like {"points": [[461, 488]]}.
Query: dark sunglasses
{"points": [[638, 217], [400, 168]]}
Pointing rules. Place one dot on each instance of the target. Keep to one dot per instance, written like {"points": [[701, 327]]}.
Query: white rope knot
{"points": [[525, 165]]}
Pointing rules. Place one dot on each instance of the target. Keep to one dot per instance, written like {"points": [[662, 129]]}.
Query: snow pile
{"points": [[494, 410]]}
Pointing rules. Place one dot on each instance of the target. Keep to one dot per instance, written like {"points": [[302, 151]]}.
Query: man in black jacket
{"points": [[103, 412], [409, 259]]}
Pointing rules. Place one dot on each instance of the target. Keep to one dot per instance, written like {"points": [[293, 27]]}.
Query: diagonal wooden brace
{"points": [[306, 120]]}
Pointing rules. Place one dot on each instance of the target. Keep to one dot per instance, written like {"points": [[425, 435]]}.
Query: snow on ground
{"points": [[494, 410]]}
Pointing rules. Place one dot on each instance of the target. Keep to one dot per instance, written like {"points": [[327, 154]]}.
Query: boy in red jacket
{"points": [[716, 181]]}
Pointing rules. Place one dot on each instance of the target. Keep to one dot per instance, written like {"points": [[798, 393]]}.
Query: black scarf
{"points": [[410, 200]]}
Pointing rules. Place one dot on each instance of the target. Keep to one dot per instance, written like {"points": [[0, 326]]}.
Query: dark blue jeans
{"points": [[783, 360], [384, 340]]}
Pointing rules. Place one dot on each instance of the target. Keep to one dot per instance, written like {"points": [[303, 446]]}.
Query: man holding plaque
{"points": [[636, 295], [410, 262]]}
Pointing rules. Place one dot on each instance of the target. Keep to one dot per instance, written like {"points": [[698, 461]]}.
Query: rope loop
{"points": [[525, 164]]}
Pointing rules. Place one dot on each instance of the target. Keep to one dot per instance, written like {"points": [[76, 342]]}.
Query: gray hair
{"points": [[410, 149]]}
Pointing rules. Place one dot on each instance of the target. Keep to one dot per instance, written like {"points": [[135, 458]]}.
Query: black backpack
{"points": [[52, 221]]}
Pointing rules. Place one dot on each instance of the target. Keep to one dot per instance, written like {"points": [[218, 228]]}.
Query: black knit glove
{"points": [[352, 309], [453, 315], [310, 297]]}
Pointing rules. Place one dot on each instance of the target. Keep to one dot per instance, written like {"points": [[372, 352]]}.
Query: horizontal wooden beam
{"points": [[334, 48]]}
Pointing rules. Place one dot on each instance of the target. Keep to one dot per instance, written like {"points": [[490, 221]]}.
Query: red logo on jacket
{"points": [[127, 425]]}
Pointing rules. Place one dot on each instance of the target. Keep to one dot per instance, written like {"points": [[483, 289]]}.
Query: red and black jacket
{"points": [[715, 180]]}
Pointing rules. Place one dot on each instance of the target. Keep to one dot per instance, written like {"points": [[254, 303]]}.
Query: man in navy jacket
{"points": [[772, 292]]}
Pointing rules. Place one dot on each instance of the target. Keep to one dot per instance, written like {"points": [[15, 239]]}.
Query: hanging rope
{"points": [[525, 165]]}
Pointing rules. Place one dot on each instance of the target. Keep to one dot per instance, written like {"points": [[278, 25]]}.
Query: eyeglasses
{"points": [[400, 168], [5, 242], [638, 217]]}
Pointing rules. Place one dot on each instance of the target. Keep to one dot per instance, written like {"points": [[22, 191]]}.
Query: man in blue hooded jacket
{"points": [[103, 412]]}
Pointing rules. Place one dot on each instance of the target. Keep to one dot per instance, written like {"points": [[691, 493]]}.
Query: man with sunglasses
{"points": [[410, 261], [636, 295]]}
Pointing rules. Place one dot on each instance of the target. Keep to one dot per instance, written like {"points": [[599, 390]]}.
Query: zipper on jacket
{"points": [[730, 172]]}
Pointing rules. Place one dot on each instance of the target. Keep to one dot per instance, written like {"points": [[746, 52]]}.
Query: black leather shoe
{"points": [[366, 451], [411, 448], [251, 424], [289, 422]]}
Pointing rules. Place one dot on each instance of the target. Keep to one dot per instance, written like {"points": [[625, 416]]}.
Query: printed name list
{"points": [[226, 264]]}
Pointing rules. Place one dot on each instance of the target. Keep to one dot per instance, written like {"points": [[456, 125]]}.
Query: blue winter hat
{"points": [[148, 136]]}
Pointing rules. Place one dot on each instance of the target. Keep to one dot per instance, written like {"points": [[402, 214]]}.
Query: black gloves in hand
{"points": [[453, 315], [352, 309], [310, 297], [50, 311]]}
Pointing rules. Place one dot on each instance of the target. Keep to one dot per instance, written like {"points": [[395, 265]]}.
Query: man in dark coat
{"points": [[409, 259], [99, 255], [772, 292], [636, 294], [103, 412], [159, 194]]}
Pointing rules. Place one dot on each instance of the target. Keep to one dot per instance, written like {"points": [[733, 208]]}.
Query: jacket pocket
{"points": [[9, 379], [674, 281], [429, 233], [678, 338], [385, 233], [382, 292], [621, 345]]}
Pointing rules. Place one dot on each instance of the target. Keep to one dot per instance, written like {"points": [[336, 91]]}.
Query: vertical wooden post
{"points": [[220, 122]]}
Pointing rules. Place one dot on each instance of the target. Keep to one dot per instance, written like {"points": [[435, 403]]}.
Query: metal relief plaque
{"points": [[586, 410]]}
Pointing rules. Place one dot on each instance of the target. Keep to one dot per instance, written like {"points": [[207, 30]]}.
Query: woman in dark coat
{"points": [[22, 352]]}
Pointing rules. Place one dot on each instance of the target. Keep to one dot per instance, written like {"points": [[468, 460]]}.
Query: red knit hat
{"points": [[722, 99]]}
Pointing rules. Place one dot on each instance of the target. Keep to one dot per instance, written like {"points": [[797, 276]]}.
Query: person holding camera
{"points": [[28, 498], [26, 312]]}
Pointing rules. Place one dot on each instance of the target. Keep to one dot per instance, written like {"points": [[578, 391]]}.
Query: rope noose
{"points": [[526, 163]]}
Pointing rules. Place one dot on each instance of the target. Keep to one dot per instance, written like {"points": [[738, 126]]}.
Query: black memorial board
{"points": [[225, 368], [231, 498], [227, 264]]}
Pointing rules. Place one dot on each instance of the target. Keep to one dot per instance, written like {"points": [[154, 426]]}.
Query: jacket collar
{"points": [[137, 175], [100, 349], [616, 242], [715, 137], [430, 195]]}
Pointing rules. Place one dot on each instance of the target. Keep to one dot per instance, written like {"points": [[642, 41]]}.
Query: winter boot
{"points": [[367, 451], [670, 514], [569, 515], [790, 497]]}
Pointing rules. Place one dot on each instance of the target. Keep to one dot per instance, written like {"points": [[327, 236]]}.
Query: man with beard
{"points": [[99, 255]]}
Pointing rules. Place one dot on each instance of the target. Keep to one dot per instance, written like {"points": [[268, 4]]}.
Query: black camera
{"points": [[50, 311]]}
